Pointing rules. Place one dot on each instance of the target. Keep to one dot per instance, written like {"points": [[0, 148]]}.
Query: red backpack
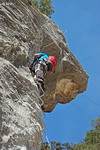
{"points": [[53, 59]]}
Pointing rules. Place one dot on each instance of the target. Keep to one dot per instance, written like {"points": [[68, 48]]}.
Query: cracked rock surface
{"points": [[20, 110]]}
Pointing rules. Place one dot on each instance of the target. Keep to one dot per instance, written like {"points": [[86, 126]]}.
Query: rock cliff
{"points": [[24, 31]]}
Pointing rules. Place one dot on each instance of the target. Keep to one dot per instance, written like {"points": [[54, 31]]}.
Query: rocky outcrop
{"points": [[24, 31], [20, 110]]}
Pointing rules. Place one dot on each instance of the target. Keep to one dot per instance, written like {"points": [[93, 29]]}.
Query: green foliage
{"points": [[56, 146], [45, 146], [92, 137], [85, 147], [45, 6], [96, 124], [90, 142]]}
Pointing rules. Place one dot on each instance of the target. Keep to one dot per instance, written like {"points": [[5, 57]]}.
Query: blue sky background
{"points": [[80, 22]]}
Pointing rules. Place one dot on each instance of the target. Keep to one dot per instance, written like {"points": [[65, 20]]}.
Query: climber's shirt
{"points": [[40, 57]]}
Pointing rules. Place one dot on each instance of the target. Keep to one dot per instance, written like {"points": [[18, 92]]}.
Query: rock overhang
{"points": [[23, 32], [30, 31]]}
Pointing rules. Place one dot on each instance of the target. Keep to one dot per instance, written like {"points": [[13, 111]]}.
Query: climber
{"points": [[42, 64]]}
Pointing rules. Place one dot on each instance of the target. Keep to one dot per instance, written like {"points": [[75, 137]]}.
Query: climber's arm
{"points": [[37, 55]]}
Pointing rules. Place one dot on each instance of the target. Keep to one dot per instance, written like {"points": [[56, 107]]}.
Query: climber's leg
{"points": [[40, 71]]}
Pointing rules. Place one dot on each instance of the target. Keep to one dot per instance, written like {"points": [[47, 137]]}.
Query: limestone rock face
{"points": [[20, 110], [23, 32]]}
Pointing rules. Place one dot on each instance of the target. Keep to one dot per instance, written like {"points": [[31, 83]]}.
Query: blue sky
{"points": [[80, 22]]}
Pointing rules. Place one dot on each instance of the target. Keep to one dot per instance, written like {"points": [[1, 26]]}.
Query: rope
{"points": [[90, 99], [44, 116], [38, 97], [48, 141], [81, 110], [42, 35]]}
